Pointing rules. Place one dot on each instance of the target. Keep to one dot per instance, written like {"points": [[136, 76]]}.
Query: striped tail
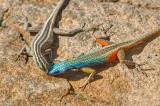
{"points": [[147, 37]]}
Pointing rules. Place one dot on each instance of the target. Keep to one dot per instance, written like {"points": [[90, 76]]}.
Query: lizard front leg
{"points": [[67, 33], [58, 31], [26, 50], [90, 71]]}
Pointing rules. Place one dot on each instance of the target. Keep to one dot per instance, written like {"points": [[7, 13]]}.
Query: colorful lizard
{"points": [[44, 40], [111, 53], [108, 54]]}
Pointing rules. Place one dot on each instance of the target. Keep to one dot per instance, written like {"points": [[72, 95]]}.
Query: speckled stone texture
{"points": [[25, 84]]}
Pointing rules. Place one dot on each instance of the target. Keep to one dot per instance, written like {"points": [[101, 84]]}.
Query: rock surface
{"points": [[24, 84]]}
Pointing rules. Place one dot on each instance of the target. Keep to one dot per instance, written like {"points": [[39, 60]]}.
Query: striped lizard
{"points": [[43, 41], [108, 53]]}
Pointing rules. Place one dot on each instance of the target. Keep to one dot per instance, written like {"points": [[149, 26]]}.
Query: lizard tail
{"points": [[146, 37]]}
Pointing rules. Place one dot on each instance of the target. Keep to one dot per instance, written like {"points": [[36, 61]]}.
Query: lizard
{"points": [[44, 39], [109, 53]]}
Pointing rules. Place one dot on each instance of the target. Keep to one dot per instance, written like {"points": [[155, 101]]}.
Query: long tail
{"points": [[146, 37]]}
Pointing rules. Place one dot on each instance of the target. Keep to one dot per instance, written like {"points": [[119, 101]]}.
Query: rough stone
{"points": [[24, 84]]}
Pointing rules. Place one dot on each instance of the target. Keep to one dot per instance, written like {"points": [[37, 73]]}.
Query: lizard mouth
{"points": [[59, 75], [54, 73]]}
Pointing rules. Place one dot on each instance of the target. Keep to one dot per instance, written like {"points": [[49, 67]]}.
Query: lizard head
{"points": [[59, 68]]}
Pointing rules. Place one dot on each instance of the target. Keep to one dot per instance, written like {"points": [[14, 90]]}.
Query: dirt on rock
{"points": [[23, 83]]}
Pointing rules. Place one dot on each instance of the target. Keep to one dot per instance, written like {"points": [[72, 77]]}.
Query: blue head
{"points": [[59, 68]]}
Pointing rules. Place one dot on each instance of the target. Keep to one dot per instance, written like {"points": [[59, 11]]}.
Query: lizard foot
{"points": [[132, 74], [92, 73], [22, 55], [131, 63]]}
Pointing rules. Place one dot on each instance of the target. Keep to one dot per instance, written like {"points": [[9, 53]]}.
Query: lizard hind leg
{"points": [[124, 65], [102, 38], [90, 71], [26, 50], [122, 58], [103, 42]]}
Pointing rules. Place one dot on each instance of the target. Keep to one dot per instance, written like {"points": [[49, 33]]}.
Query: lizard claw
{"points": [[83, 25], [23, 53], [83, 86], [139, 68]]}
